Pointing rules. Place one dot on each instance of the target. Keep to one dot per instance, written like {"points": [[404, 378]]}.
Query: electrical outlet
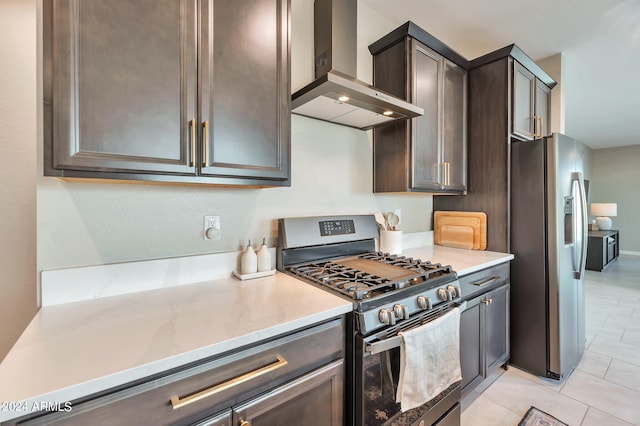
{"points": [[211, 228]]}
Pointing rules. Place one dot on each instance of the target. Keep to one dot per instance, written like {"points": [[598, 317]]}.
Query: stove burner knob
{"points": [[387, 316], [401, 311], [444, 294], [424, 303], [454, 290]]}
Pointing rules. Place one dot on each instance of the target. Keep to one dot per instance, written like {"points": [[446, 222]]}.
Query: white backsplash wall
{"points": [[86, 224], [83, 224]]}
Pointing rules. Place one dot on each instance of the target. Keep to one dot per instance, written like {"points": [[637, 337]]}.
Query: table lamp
{"points": [[604, 211]]}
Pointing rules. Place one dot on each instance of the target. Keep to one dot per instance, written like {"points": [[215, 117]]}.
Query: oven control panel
{"points": [[409, 307], [336, 227]]}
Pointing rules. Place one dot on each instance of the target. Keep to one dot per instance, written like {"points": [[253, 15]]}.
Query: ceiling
{"points": [[599, 40]]}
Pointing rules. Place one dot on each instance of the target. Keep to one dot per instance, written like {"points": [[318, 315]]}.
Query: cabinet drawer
{"points": [[482, 281], [232, 379], [313, 399]]}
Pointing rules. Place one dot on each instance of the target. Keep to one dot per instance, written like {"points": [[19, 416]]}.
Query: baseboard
{"points": [[630, 253]]}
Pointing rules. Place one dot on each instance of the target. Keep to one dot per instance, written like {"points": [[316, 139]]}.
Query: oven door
{"points": [[377, 369]]}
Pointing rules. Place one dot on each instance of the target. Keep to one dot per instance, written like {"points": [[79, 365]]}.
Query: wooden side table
{"points": [[602, 249]]}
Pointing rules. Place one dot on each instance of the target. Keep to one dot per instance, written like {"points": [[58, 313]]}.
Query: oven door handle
{"points": [[383, 345], [394, 341]]}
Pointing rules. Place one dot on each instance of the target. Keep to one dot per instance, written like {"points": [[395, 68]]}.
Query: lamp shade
{"points": [[604, 209]]}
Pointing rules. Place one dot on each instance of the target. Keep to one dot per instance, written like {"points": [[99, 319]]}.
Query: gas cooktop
{"points": [[371, 274], [338, 254]]}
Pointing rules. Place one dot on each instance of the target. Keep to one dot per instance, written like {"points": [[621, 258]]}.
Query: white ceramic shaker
{"points": [[249, 260], [264, 257]]}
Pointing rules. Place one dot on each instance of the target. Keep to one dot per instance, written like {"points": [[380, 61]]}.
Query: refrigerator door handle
{"points": [[580, 228]]}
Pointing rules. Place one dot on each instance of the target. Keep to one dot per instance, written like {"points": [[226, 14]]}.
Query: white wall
{"points": [[18, 129], [85, 223], [616, 179], [555, 65]]}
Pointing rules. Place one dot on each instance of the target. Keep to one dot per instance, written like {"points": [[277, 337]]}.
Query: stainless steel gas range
{"points": [[390, 294]]}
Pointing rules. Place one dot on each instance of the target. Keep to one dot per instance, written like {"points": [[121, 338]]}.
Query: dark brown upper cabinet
{"points": [[531, 105], [187, 91], [426, 153]]}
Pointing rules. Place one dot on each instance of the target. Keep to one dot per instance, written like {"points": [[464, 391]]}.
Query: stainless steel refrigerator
{"points": [[549, 242]]}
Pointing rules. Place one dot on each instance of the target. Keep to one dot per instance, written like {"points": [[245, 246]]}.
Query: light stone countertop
{"points": [[75, 349], [71, 350], [464, 262]]}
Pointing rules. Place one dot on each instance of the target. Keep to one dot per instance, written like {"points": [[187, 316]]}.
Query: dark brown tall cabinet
{"points": [[193, 91], [426, 153], [495, 115]]}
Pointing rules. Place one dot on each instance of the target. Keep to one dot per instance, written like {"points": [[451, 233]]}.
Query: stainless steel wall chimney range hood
{"points": [[335, 95]]}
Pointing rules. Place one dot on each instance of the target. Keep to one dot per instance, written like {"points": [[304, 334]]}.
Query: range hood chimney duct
{"points": [[336, 95]]}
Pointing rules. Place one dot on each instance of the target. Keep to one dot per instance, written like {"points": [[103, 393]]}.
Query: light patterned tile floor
{"points": [[605, 388]]}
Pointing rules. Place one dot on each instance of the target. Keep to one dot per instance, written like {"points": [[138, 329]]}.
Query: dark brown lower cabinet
{"points": [[484, 336], [314, 399], [603, 247], [296, 379]]}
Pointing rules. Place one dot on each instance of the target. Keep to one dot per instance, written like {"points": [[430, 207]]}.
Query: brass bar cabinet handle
{"points": [[192, 124], [486, 281], [448, 174], [540, 128], [537, 126], [205, 150], [178, 402]]}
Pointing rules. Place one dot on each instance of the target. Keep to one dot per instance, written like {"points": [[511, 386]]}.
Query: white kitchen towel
{"points": [[429, 360]]}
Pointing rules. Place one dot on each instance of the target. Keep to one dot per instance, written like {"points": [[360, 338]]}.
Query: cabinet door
{"points": [[496, 312], [471, 362], [315, 399], [543, 108], [245, 88], [454, 134], [426, 129], [124, 84], [452, 418], [222, 419], [523, 102]]}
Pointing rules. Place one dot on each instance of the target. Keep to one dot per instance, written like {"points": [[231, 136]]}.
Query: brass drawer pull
{"points": [[486, 281], [178, 402]]}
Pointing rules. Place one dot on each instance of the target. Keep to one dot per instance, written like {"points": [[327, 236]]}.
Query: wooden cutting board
{"points": [[466, 230]]}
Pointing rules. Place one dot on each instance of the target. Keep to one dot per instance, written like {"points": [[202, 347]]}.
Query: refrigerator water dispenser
{"points": [[568, 220]]}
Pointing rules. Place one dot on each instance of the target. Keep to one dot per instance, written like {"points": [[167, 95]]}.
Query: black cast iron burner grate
{"points": [[361, 285], [344, 279], [432, 270]]}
